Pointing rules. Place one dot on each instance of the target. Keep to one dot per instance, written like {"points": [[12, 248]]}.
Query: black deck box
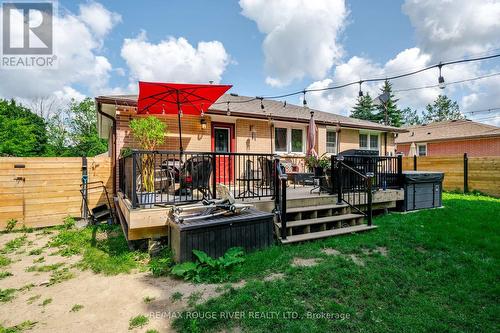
{"points": [[251, 230], [423, 189]]}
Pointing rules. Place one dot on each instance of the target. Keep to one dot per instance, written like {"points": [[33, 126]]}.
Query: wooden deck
{"points": [[140, 223]]}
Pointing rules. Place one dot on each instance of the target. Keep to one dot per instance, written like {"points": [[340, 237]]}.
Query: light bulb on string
{"points": [[180, 112], [284, 104], [441, 83], [262, 104], [228, 111], [304, 102], [360, 93], [202, 114]]}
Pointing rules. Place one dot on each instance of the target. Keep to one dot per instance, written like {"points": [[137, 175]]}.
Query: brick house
{"points": [[454, 137], [247, 128]]}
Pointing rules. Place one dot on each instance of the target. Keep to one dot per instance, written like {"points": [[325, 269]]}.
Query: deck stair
{"points": [[321, 221]]}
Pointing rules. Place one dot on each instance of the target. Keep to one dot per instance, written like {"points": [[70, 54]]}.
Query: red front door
{"points": [[223, 143]]}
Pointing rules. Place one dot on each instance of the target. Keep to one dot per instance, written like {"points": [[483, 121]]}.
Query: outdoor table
{"points": [[248, 190], [299, 176]]}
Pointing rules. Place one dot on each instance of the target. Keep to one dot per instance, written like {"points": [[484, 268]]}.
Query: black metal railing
{"points": [[150, 178], [353, 187], [386, 170], [280, 184]]}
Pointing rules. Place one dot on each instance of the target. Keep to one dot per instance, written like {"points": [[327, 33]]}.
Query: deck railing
{"points": [[168, 177]]}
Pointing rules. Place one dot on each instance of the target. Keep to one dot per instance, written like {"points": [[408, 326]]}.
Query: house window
{"points": [[422, 150], [368, 141], [280, 138], [297, 141], [331, 142], [289, 140]]}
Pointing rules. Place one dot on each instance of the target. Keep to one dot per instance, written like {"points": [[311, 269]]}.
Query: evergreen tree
{"points": [[442, 109], [393, 113], [364, 108], [411, 117]]}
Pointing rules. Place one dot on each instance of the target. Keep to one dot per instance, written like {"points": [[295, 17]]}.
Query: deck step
{"points": [[327, 219], [327, 233], [312, 208]]}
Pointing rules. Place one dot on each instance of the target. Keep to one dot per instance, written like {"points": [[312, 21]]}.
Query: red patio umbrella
{"points": [[311, 137], [177, 98]]}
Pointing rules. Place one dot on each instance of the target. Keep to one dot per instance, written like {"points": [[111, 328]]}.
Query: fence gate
{"points": [[12, 181]]}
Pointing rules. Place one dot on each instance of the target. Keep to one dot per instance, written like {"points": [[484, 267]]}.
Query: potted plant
{"points": [[150, 133], [318, 164]]}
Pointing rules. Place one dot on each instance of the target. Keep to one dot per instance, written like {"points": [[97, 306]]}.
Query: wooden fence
{"points": [[41, 191], [462, 173]]}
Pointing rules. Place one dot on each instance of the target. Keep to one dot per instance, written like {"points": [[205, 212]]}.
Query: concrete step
{"points": [[327, 219], [312, 208], [326, 233]]}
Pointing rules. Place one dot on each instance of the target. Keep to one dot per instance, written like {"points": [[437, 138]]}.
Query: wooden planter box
{"points": [[251, 230]]}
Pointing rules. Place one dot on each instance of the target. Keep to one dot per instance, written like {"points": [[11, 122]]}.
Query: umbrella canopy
{"points": [[311, 137], [413, 149], [177, 98]]}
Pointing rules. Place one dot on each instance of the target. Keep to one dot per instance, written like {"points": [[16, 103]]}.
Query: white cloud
{"points": [[98, 18], [452, 29], [174, 59], [76, 47], [301, 36]]}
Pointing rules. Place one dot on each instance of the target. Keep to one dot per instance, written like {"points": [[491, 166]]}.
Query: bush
{"points": [[11, 224], [207, 269], [161, 264]]}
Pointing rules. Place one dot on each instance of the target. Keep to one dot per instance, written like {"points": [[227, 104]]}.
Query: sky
{"points": [[270, 47]]}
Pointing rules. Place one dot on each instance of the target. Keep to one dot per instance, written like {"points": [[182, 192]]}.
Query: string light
{"points": [[284, 104], [228, 111], [360, 94], [304, 102], [180, 112], [261, 104], [441, 83], [202, 112]]}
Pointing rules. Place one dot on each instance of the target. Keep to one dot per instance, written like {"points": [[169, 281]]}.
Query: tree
{"points": [[442, 109], [83, 129], [393, 114], [22, 133], [410, 117], [364, 108]]}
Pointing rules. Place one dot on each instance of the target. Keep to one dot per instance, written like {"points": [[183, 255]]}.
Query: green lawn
{"points": [[440, 274]]}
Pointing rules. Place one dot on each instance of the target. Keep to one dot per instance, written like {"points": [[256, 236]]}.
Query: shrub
{"points": [[161, 264], [207, 269], [137, 321], [11, 224]]}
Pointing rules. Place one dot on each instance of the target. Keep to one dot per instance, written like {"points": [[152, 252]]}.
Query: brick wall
{"points": [[473, 147], [260, 142]]}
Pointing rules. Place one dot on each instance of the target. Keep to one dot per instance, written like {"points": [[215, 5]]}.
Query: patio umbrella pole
{"points": [[179, 120]]}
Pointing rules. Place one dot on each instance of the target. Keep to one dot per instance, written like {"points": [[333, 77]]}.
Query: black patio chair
{"points": [[195, 175], [266, 165]]}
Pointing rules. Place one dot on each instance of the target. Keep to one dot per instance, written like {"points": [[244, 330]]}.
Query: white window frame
{"points": [[289, 128], [368, 139], [418, 148], [331, 130]]}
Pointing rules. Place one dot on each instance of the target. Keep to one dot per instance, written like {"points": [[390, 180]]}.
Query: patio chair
{"points": [[195, 175], [266, 165]]}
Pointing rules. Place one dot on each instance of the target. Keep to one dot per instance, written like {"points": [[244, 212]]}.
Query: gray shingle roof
{"points": [[272, 108], [445, 130]]}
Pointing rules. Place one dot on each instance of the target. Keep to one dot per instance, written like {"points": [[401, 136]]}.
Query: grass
{"points": [[36, 252], [4, 261], [59, 276], [440, 274], [177, 296], [148, 299], [39, 260], [5, 274], [194, 298], [14, 244], [152, 331], [44, 268], [24, 326], [46, 301], [107, 254], [7, 295], [33, 298], [76, 308], [137, 321], [26, 287]]}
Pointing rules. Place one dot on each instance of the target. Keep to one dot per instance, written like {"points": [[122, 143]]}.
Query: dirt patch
{"points": [[331, 252], [301, 262], [357, 260], [109, 302], [274, 276]]}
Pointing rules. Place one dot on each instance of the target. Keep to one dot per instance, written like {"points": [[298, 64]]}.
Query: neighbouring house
{"points": [[248, 128], [452, 137]]}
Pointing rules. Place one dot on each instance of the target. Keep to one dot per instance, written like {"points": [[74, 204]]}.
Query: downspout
{"points": [[113, 155]]}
